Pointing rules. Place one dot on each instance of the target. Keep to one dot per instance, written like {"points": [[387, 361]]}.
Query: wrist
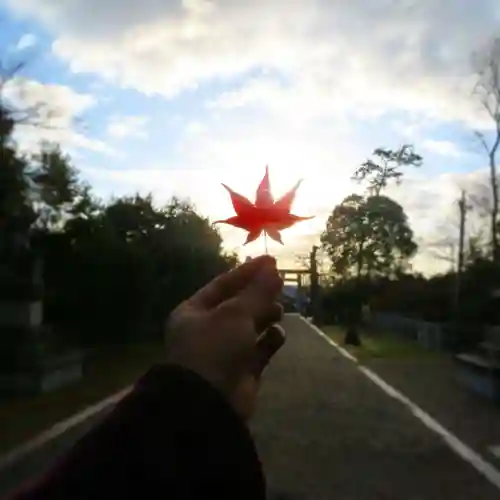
{"points": [[208, 374]]}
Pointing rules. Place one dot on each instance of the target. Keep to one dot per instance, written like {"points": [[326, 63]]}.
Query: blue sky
{"points": [[176, 97]]}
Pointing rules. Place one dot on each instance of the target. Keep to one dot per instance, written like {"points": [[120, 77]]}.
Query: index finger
{"points": [[258, 298], [257, 301], [229, 284]]}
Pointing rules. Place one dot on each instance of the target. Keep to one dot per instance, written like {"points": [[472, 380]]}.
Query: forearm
{"points": [[172, 437]]}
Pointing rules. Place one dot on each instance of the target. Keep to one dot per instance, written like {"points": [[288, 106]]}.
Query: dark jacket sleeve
{"points": [[173, 437]]}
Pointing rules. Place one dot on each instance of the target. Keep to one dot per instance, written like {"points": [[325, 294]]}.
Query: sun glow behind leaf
{"points": [[267, 216]]}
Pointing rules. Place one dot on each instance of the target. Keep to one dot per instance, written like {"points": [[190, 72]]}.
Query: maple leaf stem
{"points": [[265, 243]]}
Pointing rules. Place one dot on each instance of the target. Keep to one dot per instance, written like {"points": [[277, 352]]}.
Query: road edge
{"points": [[485, 468], [13, 456]]}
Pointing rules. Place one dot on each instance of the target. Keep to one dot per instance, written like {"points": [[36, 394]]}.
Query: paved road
{"points": [[38, 460], [325, 431]]}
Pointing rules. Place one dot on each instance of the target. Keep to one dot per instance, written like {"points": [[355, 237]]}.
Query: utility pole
{"points": [[463, 208], [315, 290]]}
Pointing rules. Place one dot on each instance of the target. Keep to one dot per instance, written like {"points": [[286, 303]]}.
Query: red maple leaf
{"points": [[265, 215]]}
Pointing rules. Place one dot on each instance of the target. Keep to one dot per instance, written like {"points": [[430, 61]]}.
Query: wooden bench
{"points": [[490, 351], [478, 361], [480, 370]]}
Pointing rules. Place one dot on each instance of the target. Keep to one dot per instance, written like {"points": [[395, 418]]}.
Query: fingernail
{"points": [[267, 259]]}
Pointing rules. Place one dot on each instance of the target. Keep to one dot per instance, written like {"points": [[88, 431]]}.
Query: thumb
{"points": [[258, 297], [268, 344]]}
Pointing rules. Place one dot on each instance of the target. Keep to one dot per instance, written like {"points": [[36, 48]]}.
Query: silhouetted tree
{"points": [[369, 236], [487, 66], [386, 166]]}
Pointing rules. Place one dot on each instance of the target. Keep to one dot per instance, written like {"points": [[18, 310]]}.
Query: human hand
{"points": [[226, 333]]}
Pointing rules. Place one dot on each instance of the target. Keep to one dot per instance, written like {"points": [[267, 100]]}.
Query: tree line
{"points": [[370, 245], [112, 269]]}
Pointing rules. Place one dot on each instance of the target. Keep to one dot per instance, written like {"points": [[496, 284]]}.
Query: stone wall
{"points": [[20, 313]]}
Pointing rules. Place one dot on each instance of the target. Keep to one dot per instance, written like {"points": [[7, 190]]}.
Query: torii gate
{"points": [[297, 276]]}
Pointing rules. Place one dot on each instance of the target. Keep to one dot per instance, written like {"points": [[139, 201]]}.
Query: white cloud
{"points": [[120, 127], [81, 141], [56, 109], [194, 128], [27, 41], [29, 138], [256, 90], [363, 57], [444, 148], [60, 103]]}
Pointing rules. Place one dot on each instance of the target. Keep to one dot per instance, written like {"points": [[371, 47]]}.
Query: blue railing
{"points": [[430, 335]]}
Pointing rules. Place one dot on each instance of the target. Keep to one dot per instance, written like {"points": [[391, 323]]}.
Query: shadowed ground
{"points": [[325, 431], [37, 461]]}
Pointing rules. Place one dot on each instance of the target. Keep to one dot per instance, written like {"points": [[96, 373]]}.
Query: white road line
{"points": [[342, 351], [460, 448], [495, 450], [59, 428]]}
